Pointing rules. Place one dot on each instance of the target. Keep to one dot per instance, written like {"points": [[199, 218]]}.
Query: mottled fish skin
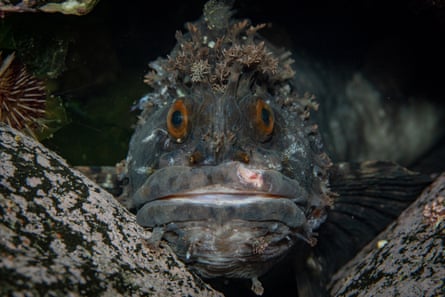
{"points": [[225, 136], [226, 164]]}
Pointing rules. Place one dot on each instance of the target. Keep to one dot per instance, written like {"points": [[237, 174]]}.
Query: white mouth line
{"points": [[219, 198]]}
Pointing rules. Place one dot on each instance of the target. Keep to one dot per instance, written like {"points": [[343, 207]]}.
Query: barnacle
{"points": [[22, 96], [253, 55], [199, 70], [434, 213]]}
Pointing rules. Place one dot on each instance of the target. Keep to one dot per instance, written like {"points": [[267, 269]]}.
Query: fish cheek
{"points": [[145, 147], [181, 156]]}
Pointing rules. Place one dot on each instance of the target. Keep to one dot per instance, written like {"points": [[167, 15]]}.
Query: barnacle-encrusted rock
{"points": [[62, 235], [76, 7], [405, 260]]}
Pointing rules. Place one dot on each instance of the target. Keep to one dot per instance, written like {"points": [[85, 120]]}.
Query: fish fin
{"points": [[155, 239], [370, 195]]}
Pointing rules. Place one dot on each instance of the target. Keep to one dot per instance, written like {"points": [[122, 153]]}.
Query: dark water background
{"points": [[103, 56]]}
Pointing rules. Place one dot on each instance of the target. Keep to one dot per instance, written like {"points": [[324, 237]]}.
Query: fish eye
{"points": [[264, 119], [178, 121]]}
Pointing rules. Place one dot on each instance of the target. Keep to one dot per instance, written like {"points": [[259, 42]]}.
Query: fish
{"points": [[227, 164]]}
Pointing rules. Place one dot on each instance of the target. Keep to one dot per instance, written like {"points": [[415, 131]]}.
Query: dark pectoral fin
{"points": [[370, 196]]}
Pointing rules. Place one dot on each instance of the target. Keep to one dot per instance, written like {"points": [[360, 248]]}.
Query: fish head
{"points": [[225, 159]]}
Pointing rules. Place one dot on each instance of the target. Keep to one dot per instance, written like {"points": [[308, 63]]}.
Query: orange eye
{"points": [[264, 119], [177, 121]]}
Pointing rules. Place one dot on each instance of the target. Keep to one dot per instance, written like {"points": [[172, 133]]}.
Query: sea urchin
{"points": [[22, 96]]}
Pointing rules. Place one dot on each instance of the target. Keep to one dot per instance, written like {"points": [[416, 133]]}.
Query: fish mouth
{"points": [[229, 191], [220, 204], [228, 220], [219, 231]]}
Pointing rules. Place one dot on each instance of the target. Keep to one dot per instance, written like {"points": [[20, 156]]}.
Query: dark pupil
{"points": [[265, 116], [176, 118]]}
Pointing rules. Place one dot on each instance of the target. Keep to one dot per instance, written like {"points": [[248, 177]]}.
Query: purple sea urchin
{"points": [[22, 96]]}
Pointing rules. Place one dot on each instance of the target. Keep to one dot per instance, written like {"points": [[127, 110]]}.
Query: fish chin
{"points": [[237, 249]]}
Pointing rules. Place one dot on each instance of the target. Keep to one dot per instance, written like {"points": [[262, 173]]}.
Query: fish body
{"points": [[227, 165]]}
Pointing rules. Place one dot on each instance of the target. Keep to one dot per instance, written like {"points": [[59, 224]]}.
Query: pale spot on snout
{"points": [[251, 177]]}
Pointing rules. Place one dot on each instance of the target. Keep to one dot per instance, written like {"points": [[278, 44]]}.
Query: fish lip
{"points": [[219, 194], [224, 195], [221, 206], [231, 178], [231, 197]]}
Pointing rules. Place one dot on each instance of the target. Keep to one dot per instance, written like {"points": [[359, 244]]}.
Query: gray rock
{"points": [[62, 235], [407, 259], [78, 7]]}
